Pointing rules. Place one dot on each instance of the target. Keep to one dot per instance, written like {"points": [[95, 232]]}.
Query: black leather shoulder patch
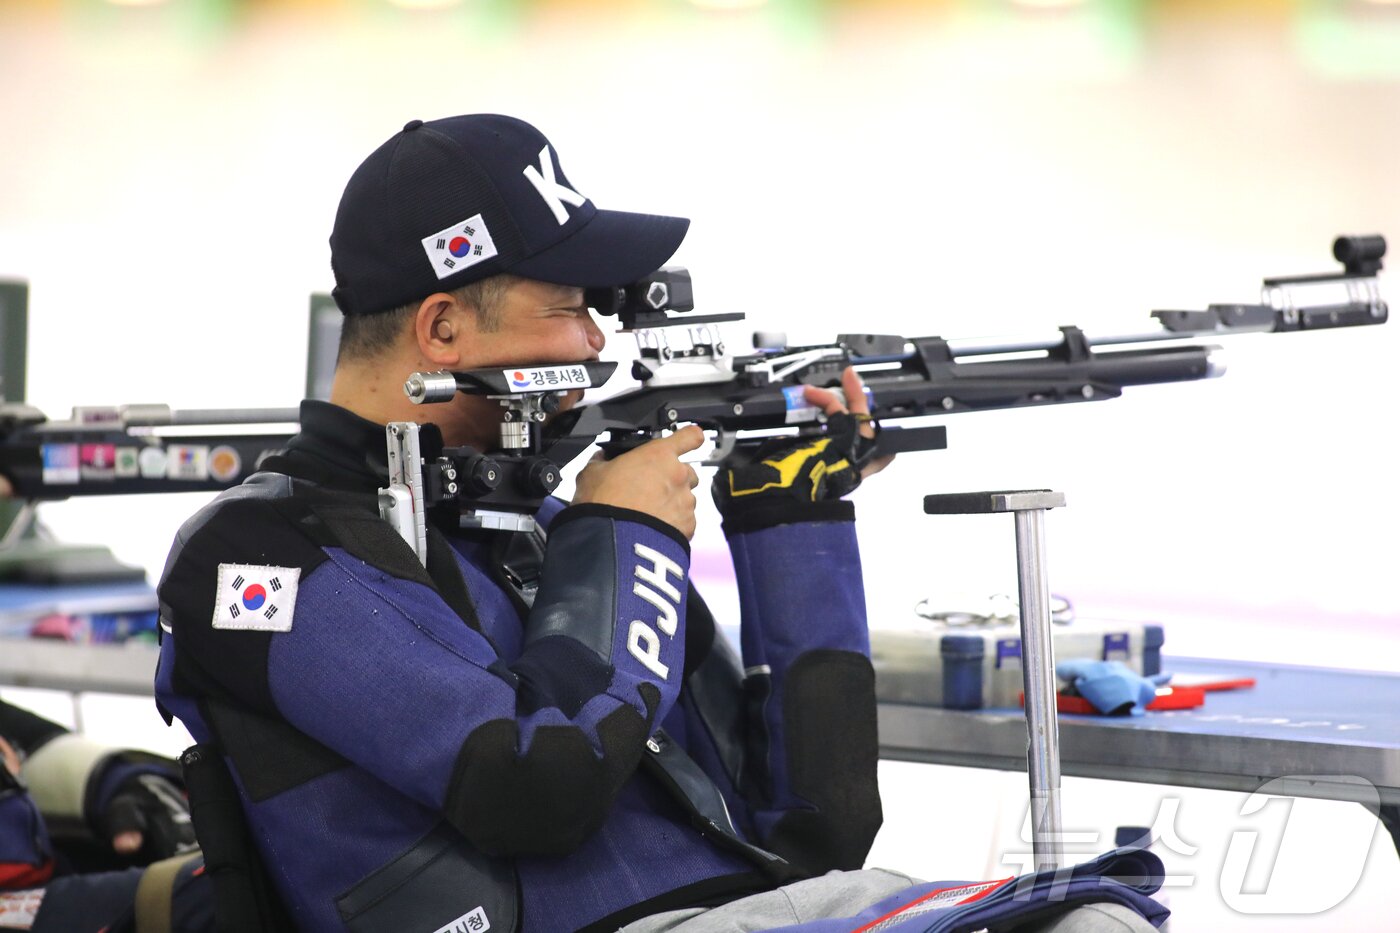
{"points": [[264, 530], [363, 534], [269, 754], [446, 575]]}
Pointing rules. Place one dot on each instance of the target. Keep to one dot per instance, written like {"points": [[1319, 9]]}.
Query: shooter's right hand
{"points": [[650, 479]]}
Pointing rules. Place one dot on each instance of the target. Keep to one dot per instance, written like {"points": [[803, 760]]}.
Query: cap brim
{"points": [[612, 248]]}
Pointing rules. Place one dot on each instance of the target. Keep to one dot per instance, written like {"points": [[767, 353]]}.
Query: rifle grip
{"points": [[619, 443]]}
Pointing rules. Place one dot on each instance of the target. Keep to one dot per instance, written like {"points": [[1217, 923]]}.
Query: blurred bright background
{"points": [[169, 170]]}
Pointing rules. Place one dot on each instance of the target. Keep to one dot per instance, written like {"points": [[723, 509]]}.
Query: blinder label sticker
{"points": [[545, 378]]}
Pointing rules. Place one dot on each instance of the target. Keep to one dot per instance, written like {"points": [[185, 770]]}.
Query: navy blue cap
{"points": [[448, 202]]}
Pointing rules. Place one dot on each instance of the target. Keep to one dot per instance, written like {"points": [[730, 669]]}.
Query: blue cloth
{"points": [[87, 903], [24, 840], [1111, 686], [1123, 876]]}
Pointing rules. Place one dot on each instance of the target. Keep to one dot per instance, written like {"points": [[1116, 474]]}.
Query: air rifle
{"points": [[687, 376], [103, 451], [106, 451]]}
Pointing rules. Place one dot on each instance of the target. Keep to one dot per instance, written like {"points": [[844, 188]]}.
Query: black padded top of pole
{"points": [[967, 503]]}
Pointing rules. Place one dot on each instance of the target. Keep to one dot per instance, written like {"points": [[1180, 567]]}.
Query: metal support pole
{"points": [[1037, 653], [1038, 678]]}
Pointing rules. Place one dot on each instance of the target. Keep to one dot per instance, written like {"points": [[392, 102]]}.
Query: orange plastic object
{"points": [[1209, 682], [1167, 698]]}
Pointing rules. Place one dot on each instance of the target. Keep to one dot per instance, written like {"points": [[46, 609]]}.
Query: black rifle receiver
{"points": [[687, 377]]}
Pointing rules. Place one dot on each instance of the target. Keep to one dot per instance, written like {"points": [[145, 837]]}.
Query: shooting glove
{"points": [[816, 468]]}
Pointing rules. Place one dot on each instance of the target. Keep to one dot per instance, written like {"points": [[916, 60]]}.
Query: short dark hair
{"points": [[365, 336]]}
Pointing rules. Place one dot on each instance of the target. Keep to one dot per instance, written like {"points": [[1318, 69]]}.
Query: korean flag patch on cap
{"points": [[256, 597], [459, 246]]}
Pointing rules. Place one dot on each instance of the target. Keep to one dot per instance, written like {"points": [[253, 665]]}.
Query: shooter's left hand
{"points": [[807, 468], [857, 405]]}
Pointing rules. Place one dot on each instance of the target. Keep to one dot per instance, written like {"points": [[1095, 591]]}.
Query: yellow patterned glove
{"points": [[808, 469]]}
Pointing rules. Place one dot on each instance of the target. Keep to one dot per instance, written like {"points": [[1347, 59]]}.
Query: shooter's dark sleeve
{"points": [[809, 685]]}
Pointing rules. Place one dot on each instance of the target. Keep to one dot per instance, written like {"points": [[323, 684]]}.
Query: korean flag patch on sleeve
{"points": [[256, 597]]}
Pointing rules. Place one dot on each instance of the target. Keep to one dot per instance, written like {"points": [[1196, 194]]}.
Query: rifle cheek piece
{"points": [[425, 388]]}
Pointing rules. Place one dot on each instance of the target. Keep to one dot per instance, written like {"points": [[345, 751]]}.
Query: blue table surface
{"points": [[1312, 704]]}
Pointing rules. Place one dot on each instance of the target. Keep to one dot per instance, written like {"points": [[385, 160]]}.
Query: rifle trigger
{"points": [[724, 446], [618, 444]]}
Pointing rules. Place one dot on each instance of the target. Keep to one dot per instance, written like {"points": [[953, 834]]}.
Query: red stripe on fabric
{"points": [[899, 910], [18, 875]]}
